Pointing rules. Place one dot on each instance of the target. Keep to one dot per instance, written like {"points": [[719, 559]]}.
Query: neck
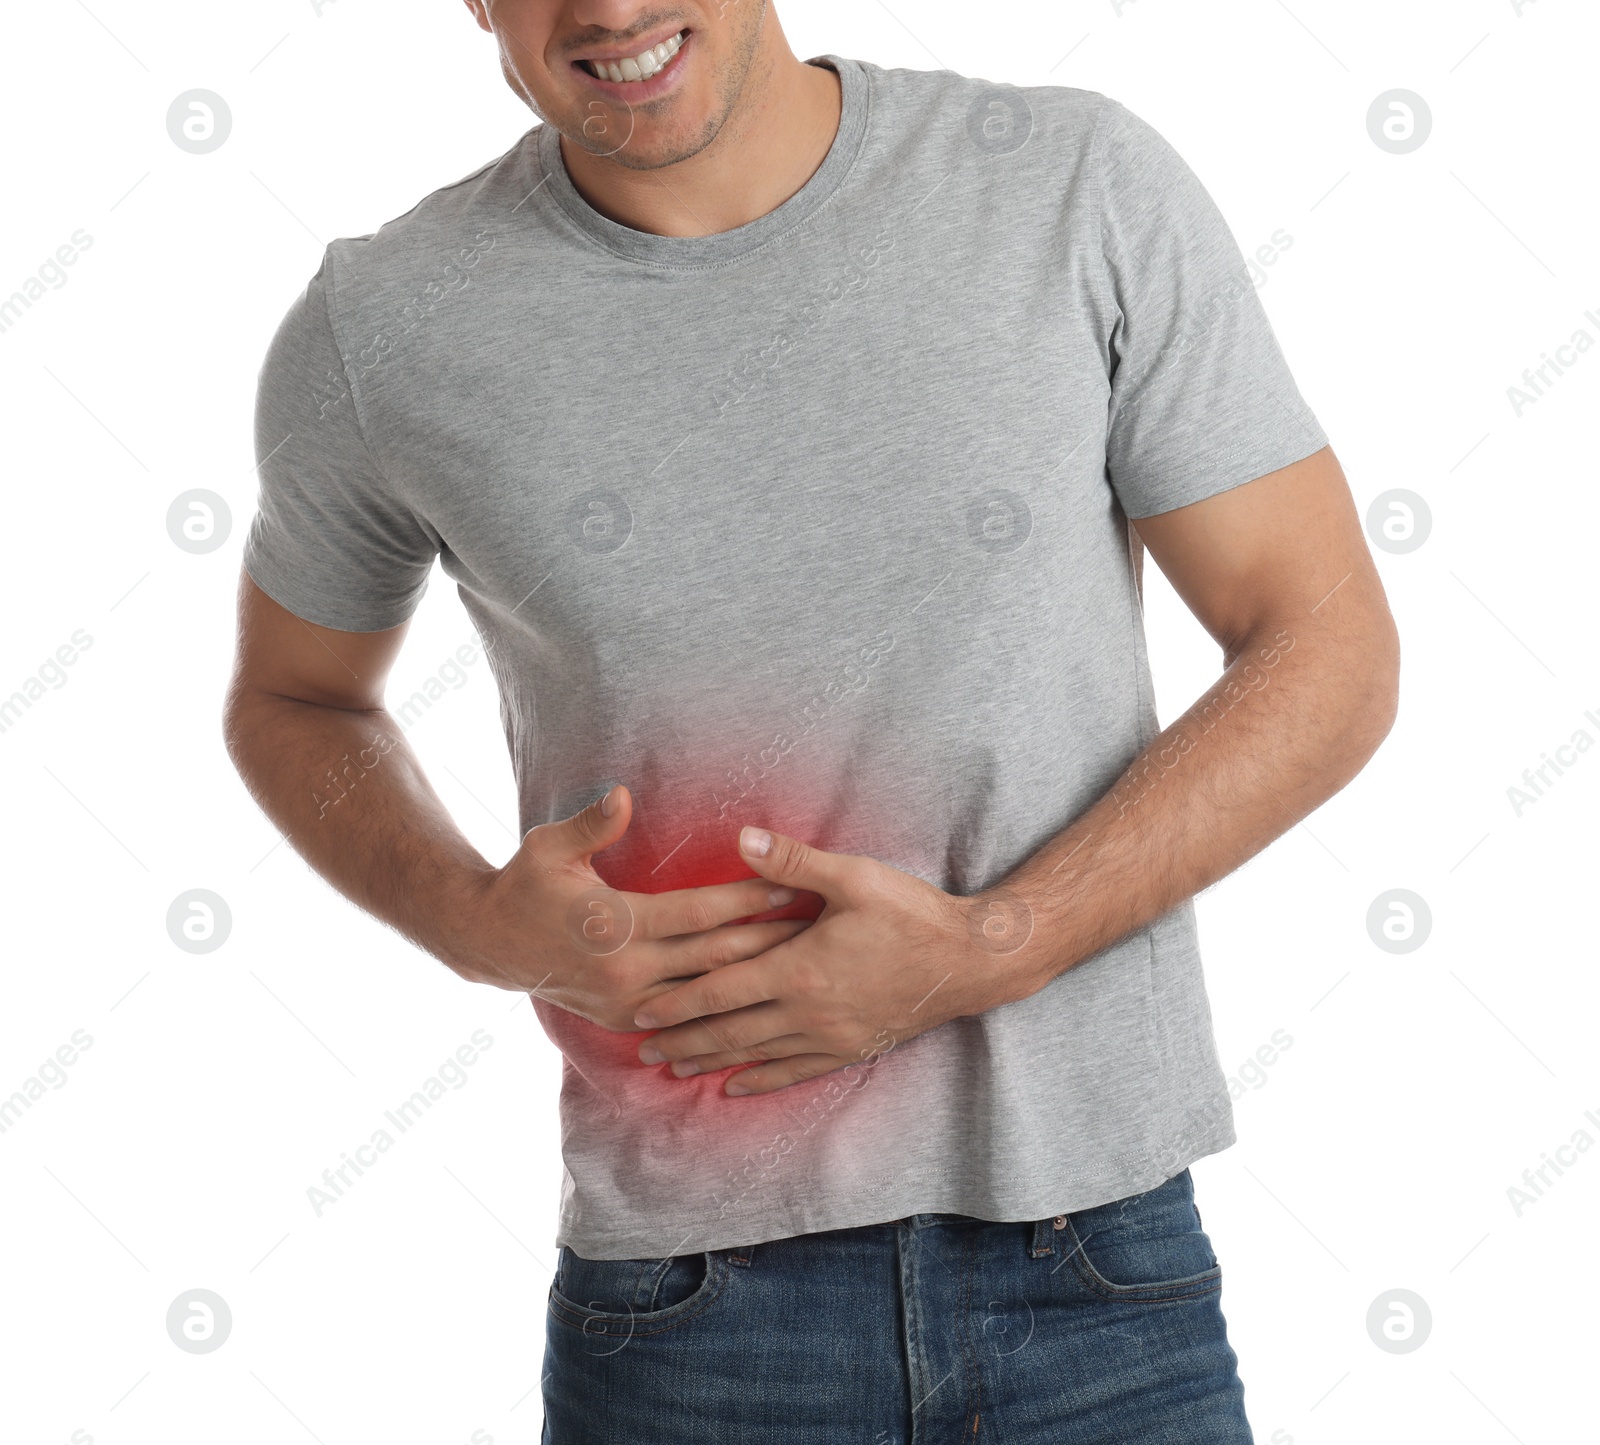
{"points": [[774, 138]]}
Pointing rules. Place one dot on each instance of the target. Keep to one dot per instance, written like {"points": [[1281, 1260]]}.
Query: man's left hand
{"points": [[889, 957]]}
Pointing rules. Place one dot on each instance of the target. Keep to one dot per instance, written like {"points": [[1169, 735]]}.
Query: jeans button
{"points": [[1061, 1221]]}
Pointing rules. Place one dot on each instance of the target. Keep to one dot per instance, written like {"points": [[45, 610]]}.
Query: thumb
{"points": [[788, 861], [590, 830]]}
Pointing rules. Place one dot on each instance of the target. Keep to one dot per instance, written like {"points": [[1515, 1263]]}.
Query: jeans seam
{"points": [[968, 1351]]}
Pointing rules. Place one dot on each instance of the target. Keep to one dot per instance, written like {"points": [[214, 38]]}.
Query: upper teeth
{"points": [[638, 67]]}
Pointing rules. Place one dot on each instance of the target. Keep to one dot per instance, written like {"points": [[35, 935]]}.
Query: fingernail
{"points": [[779, 896], [608, 804], [684, 1067], [644, 1021], [650, 1054], [755, 841], [735, 1087]]}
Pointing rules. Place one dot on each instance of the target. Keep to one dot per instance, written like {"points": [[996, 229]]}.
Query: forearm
{"points": [[1296, 715], [351, 798]]}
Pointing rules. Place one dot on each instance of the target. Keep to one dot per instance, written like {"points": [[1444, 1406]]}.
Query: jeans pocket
{"points": [[608, 1297], [1146, 1248]]}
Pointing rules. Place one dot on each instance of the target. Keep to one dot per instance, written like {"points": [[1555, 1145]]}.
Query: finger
{"points": [[698, 953], [696, 910], [764, 1078], [689, 957], [738, 985], [783, 1047], [739, 1031], [787, 861], [585, 833]]}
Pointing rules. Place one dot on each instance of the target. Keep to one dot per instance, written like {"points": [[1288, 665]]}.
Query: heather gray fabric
{"points": [[819, 524]]}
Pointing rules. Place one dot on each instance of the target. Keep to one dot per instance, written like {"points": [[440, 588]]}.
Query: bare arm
{"points": [[1278, 572], [306, 727]]}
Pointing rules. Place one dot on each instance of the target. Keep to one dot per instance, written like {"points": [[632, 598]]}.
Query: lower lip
{"points": [[638, 91]]}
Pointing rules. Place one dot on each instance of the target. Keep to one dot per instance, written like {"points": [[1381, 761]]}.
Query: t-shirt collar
{"points": [[723, 246]]}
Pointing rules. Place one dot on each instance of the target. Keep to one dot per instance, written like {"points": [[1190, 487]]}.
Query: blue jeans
{"points": [[1102, 1327]]}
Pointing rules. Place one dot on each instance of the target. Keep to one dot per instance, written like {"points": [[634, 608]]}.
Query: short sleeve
{"points": [[1201, 397], [331, 539]]}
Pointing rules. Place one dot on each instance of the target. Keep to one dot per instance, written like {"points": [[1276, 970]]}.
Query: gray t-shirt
{"points": [[818, 524]]}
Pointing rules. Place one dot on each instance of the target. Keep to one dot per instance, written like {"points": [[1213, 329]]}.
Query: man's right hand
{"points": [[305, 713], [548, 924]]}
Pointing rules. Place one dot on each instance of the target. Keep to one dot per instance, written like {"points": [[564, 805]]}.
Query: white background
{"points": [[1375, 1153]]}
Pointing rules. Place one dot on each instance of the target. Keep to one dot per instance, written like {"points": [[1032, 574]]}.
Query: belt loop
{"points": [[742, 1255], [1044, 1238]]}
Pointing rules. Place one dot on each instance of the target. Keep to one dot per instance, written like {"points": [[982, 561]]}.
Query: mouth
{"points": [[637, 76]]}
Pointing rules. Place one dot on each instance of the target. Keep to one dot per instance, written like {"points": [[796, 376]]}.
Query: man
{"points": [[793, 432]]}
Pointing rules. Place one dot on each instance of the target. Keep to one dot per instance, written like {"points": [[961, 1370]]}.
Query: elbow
{"points": [[236, 730], [1375, 709], [241, 719]]}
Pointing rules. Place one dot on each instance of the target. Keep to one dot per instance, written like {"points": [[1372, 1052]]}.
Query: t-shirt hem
{"points": [[1247, 464], [879, 1206], [345, 616]]}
